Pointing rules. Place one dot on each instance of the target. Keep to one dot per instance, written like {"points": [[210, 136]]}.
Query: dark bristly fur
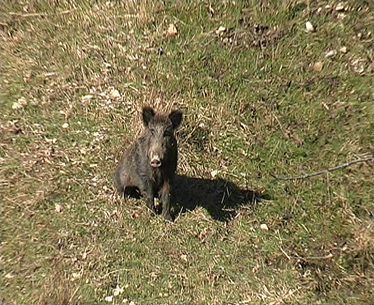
{"points": [[149, 164]]}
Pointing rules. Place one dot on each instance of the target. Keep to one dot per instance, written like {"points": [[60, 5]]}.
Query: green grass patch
{"points": [[260, 97]]}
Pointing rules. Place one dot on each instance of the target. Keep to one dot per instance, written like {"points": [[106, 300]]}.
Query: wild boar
{"points": [[149, 164]]}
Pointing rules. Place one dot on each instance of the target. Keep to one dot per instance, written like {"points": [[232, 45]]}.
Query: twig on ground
{"points": [[325, 170], [114, 271], [40, 14]]}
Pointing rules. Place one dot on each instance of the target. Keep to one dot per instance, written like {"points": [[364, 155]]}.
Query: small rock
{"points": [[370, 69], [49, 74], [317, 66], [114, 93], [340, 7], [58, 208], [117, 291], [183, 257], [86, 98], [203, 234], [358, 65], [343, 50], [75, 276], [108, 298], [264, 227], [65, 125], [220, 30], [309, 27], [21, 102], [331, 53], [172, 30], [214, 173], [135, 215]]}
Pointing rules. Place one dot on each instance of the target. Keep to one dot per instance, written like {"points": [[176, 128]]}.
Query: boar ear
{"points": [[148, 113], [176, 118]]}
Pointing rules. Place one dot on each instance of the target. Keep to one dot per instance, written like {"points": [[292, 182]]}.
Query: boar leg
{"points": [[165, 199], [150, 204], [147, 192]]}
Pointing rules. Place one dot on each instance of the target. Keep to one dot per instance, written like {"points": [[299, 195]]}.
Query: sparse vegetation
{"points": [[261, 96]]}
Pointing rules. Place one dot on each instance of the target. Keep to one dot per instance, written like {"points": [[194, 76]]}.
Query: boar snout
{"points": [[155, 160], [156, 155]]}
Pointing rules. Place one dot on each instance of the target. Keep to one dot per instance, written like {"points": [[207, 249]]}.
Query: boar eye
{"points": [[152, 131], [167, 133]]}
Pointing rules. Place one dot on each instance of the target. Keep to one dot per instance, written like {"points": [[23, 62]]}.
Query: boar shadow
{"points": [[219, 197]]}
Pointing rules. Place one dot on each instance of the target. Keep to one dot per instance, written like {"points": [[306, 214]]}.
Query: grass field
{"points": [[261, 96]]}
